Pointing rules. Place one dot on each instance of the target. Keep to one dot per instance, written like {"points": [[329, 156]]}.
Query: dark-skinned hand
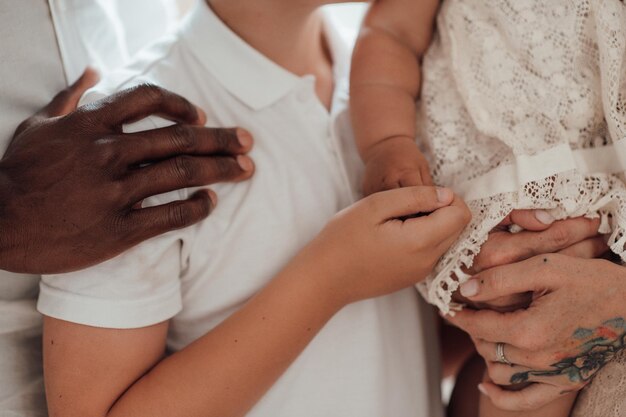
{"points": [[72, 183]]}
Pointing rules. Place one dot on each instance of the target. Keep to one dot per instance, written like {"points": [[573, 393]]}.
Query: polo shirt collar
{"points": [[250, 76]]}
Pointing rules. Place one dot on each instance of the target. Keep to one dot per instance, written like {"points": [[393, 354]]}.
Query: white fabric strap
{"points": [[610, 159]]}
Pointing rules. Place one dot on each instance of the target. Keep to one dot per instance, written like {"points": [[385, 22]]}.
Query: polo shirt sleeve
{"points": [[138, 288]]}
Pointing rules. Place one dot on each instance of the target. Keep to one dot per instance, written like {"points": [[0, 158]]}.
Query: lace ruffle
{"points": [[504, 84], [567, 194]]}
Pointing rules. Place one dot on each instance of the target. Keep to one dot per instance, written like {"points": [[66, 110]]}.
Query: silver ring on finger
{"points": [[500, 357]]}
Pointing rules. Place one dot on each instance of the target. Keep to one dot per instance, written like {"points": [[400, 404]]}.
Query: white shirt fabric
{"points": [[107, 33], [33, 70], [370, 360]]}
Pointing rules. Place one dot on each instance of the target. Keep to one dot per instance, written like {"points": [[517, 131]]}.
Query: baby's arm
{"points": [[385, 83]]}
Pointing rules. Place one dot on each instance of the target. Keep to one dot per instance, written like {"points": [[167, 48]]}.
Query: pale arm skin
{"points": [[363, 252], [574, 237], [587, 295], [385, 83]]}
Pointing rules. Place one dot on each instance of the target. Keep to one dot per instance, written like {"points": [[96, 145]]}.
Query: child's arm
{"points": [[97, 372], [385, 83]]}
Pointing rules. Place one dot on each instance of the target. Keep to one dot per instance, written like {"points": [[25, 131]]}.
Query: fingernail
{"points": [[482, 389], [245, 163], [201, 116], [245, 138], [470, 288], [544, 217], [444, 195], [213, 197]]}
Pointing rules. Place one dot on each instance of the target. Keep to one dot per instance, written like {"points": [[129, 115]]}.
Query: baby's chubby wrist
{"points": [[391, 144]]}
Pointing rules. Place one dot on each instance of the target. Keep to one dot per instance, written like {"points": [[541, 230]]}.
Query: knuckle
{"points": [[422, 193], [180, 216], [118, 226], [152, 92], [521, 338], [532, 340], [559, 236], [116, 191], [185, 168], [223, 138], [86, 117], [183, 138], [496, 282], [204, 207], [225, 168], [108, 153], [500, 256]]}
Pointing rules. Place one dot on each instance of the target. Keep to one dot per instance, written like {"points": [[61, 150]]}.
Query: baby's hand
{"points": [[395, 163]]}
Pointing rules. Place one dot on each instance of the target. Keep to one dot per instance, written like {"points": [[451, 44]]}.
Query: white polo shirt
{"points": [[370, 359]]}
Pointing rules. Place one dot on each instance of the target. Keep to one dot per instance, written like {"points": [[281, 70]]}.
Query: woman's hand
{"points": [[372, 248], [574, 325], [574, 237]]}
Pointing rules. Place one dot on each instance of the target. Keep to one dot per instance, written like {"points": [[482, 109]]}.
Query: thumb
{"points": [[67, 100], [408, 201]]}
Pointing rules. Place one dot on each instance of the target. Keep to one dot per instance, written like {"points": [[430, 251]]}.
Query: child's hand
{"points": [[366, 251], [395, 163]]}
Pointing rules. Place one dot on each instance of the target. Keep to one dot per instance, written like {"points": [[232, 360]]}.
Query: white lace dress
{"points": [[523, 106]]}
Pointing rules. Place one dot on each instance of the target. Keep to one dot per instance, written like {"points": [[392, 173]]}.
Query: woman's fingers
{"points": [[533, 220], [491, 325], [515, 355], [503, 374], [530, 398], [589, 249], [504, 248], [504, 281]]}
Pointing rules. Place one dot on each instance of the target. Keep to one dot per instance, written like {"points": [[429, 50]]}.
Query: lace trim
{"points": [[567, 194]]}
